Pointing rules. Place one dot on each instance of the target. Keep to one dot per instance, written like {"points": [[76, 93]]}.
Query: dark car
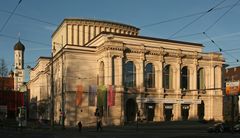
{"points": [[236, 128], [219, 128]]}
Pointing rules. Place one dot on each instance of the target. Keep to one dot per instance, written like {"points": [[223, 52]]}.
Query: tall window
{"points": [[200, 79], [129, 74], [101, 73], [184, 78], [167, 77], [149, 76]]}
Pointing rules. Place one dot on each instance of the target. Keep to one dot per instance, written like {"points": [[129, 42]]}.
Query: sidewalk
{"points": [[178, 125]]}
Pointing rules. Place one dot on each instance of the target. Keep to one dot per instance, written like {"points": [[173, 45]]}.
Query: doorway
{"points": [[201, 111], [130, 110], [150, 108], [185, 111], [168, 112]]}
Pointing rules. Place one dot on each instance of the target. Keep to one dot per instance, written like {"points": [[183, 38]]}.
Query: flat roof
{"points": [[93, 20]]}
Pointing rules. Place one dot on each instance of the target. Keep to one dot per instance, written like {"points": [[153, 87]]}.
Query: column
{"points": [[177, 107], [159, 113], [105, 61], [177, 77], [81, 35], [193, 86], [212, 92], [110, 70], [140, 74], [120, 61]]}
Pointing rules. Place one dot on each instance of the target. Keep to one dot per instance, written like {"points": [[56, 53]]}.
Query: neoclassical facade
{"points": [[162, 79]]}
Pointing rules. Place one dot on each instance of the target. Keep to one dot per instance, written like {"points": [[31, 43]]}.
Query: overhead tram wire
{"points": [[220, 49], [143, 26], [196, 19], [211, 26], [28, 17], [31, 41], [54, 24], [9, 17], [182, 17]]}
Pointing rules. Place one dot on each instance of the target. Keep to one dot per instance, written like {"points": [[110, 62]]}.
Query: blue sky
{"points": [[36, 35]]}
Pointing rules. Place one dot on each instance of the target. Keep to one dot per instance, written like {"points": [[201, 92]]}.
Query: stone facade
{"points": [[169, 80]]}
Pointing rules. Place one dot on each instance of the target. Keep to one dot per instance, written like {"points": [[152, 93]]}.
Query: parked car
{"points": [[219, 128], [236, 128]]}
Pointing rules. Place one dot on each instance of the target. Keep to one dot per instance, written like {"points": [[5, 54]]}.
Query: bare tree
{"points": [[3, 68], [3, 72]]}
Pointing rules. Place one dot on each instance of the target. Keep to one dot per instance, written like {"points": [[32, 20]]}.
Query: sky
{"points": [[213, 23]]}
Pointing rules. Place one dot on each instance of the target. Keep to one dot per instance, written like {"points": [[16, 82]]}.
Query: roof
{"points": [[152, 38], [19, 46], [92, 20]]}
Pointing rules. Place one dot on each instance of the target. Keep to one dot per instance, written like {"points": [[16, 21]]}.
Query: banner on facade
{"points": [[92, 94], [79, 92], [111, 95], [102, 96], [233, 88]]}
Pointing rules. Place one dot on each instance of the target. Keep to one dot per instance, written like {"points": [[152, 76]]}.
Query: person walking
{"points": [[80, 126], [99, 124]]}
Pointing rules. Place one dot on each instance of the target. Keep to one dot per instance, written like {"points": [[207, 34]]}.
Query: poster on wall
{"points": [[79, 92], [102, 96], [111, 95], [233, 88], [92, 95]]}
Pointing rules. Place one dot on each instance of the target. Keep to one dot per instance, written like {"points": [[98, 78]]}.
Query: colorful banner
{"points": [[233, 88], [102, 96], [111, 95], [92, 94], [79, 95]]}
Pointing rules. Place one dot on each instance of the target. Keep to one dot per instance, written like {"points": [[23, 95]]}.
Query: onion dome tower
{"points": [[19, 49]]}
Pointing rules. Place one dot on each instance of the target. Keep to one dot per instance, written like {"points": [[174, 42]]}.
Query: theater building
{"points": [[163, 79]]}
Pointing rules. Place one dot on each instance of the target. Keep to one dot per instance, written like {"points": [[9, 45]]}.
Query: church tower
{"points": [[18, 65]]}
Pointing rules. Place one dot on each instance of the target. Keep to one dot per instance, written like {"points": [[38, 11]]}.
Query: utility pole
{"points": [[52, 93]]}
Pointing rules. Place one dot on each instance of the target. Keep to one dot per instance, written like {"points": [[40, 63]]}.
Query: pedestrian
{"points": [[80, 126], [99, 125]]}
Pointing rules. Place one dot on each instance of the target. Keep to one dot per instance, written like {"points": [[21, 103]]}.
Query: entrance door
{"points": [[201, 111], [185, 111], [168, 112], [130, 110], [150, 111]]}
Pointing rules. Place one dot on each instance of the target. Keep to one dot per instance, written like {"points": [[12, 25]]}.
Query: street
{"points": [[163, 130]]}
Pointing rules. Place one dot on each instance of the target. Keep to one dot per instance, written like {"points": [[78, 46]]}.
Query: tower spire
{"points": [[19, 34]]}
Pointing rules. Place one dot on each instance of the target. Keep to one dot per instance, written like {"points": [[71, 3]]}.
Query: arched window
{"points": [[101, 74], [167, 77], [129, 74], [149, 76], [200, 79], [184, 78]]}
